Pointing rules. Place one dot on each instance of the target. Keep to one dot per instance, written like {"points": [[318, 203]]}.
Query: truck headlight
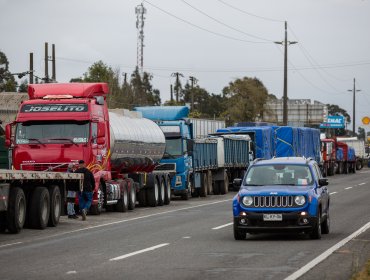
{"points": [[300, 200], [247, 200]]}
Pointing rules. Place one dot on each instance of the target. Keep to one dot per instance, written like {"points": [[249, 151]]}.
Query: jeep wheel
{"points": [[316, 231], [238, 234], [325, 227]]}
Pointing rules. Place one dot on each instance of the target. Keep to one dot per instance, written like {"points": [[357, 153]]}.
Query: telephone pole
{"points": [[354, 106], [285, 96], [193, 81], [140, 12]]}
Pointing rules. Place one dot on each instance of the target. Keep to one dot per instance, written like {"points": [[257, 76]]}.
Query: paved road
{"points": [[189, 240]]}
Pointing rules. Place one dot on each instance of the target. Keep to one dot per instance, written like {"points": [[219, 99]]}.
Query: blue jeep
{"points": [[282, 194]]}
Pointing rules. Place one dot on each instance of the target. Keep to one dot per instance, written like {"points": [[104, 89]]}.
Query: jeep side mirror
{"points": [[323, 182]]}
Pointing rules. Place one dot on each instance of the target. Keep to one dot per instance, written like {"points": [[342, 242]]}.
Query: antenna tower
{"points": [[140, 12]]}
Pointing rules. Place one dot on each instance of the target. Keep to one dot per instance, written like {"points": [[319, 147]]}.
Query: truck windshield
{"points": [[173, 148], [280, 174], [52, 132]]}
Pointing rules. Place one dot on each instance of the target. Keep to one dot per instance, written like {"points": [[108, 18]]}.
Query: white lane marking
{"points": [[10, 244], [327, 253], [333, 193], [124, 221], [139, 252], [186, 237], [71, 272], [348, 188], [361, 184], [225, 225]]}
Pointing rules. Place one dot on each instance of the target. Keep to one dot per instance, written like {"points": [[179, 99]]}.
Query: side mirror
{"points": [[323, 182], [8, 135], [237, 183], [190, 144]]}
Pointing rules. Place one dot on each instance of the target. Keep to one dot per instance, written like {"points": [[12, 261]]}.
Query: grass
{"points": [[364, 274]]}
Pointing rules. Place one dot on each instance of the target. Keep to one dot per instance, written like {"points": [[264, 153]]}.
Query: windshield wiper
{"points": [[68, 139], [169, 155], [37, 140]]}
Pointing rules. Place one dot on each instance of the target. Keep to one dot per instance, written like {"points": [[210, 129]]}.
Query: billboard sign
{"points": [[333, 122]]}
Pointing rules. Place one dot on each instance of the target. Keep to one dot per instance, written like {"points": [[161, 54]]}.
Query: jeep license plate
{"points": [[272, 217]]}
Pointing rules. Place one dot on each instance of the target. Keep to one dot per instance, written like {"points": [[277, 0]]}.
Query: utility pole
{"points": [[124, 74], [46, 63], [171, 90], [31, 69], [53, 74], [285, 96], [354, 106], [177, 74], [193, 81]]}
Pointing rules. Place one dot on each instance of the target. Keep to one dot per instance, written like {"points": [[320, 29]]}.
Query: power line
{"points": [[250, 14], [224, 24], [202, 28]]}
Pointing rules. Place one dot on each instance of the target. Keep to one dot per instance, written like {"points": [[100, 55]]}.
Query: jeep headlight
{"points": [[300, 200], [247, 200]]}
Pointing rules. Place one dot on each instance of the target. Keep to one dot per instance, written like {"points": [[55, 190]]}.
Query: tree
{"points": [[23, 86], [335, 110], [246, 99], [361, 133], [7, 81]]}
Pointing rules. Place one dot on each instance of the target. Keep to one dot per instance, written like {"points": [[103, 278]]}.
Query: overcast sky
{"points": [[216, 41]]}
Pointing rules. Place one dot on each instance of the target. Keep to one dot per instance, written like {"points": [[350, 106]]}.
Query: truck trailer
{"points": [[61, 124]]}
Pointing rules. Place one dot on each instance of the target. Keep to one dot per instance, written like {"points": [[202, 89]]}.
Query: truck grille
{"points": [[56, 167], [166, 167], [283, 201]]}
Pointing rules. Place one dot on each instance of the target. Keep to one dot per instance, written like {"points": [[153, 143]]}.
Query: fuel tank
{"points": [[137, 144]]}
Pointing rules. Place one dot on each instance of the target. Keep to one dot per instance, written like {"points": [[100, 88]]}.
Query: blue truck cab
{"points": [[178, 131], [282, 194]]}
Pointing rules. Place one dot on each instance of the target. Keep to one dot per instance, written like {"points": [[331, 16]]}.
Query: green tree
{"points": [[245, 99], [361, 133], [7, 81], [335, 110], [23, 86]]}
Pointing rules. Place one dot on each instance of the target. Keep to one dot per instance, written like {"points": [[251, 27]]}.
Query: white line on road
{"points": [[225, 225], [326, 254], [348, 188], [139, 252], [10, 244], [333, 193], [361, 184]]}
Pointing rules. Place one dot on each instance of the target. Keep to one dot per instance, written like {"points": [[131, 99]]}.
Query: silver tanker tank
{"points": [[137, 144]]}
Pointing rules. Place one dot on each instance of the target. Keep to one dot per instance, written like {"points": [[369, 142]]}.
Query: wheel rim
{"points": [[125, 196], [156, 191], [133, 194], [22, 211], [168, 189], [57, 206], [162, 191], [100, 199]]}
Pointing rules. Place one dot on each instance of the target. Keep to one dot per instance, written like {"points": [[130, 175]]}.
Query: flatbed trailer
{"points": [[34, 198]]}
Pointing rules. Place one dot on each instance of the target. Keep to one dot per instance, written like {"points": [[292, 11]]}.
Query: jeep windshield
{"points": [[278, 174]]}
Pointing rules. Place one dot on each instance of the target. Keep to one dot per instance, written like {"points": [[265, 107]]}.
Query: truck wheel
{"points": [[153, 194], [217, 187], [204, 186], [95, 209], [161, 192], [224, 185], [238, 234], [210, 181], [316, 231], [131, 192], [40, 208], [16, 214], [122, 203], [141, 197], [55, 206], [167, 196], [3, 223]]}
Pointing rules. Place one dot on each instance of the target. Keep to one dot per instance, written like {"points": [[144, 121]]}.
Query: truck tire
{"points": [[224, 185], [217, 188], [131, 193], [141, 197], [39, 208], [95, 209], [162, 189], [55, 206], [346, 168], [152, 194], [122, 203], [204, 187], [167, 196], [16, 214], [331, 170], [358, 164], [3, 223], [210, 182]]}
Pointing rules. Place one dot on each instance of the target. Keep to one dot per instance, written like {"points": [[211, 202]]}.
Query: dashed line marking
{"points": [[186, 237], [361, 184], [225, 225], [71, 272], [139, 252], [348, 188], [333, 193], [10, 244]]}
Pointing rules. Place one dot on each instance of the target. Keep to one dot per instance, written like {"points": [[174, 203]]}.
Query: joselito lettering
{"points": [[46, 108]]}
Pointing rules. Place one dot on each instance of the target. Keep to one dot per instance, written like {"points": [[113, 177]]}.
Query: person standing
{"points": [[71, 196], [85, 197]]}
